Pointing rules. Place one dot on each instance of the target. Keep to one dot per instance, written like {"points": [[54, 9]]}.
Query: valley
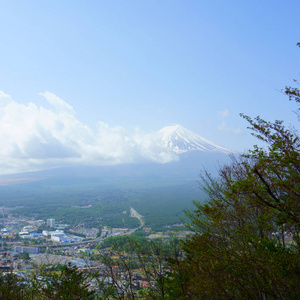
{"points": [[96, 204], [112, 195]]}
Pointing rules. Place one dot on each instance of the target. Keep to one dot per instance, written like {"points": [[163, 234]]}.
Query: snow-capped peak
{"points": [[179, 139]]}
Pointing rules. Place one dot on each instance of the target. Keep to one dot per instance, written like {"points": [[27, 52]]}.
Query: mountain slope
{"points": [[192, 152], [180, 140]]}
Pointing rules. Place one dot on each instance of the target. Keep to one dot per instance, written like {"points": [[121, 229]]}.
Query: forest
{"points": [[66, 201]]}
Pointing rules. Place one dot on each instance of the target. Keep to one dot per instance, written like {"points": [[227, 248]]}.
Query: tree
{"points": [[246, 236], [69, 283], [24, 256], [134, 256], [12, 288]]}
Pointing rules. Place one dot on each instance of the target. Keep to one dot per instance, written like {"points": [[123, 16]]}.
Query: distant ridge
{"points": [[180, 140]]}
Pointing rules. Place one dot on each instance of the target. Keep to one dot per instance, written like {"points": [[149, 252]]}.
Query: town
{"points": [[28, 245]]}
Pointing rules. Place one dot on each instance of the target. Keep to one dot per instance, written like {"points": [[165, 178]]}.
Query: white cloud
{"points": [[4, 99], [3, 95], [224, 113], [59, 104], [33, 138], [148, 147], [224, 127]]}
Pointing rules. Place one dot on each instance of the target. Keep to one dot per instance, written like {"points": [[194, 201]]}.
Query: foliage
{"points": [[139, 233], [69, 283], [129, 257], [24, 255], [246, 241], [160, 206], [11, 287]]}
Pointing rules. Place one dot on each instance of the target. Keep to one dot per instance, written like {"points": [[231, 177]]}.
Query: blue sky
{"points": [[143, 65]]}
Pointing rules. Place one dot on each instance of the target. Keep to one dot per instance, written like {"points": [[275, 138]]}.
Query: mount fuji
{"points": [[181, 140], [190, 153]]}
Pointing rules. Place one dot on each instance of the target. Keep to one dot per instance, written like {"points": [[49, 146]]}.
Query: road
{"points": [[135, 214]]}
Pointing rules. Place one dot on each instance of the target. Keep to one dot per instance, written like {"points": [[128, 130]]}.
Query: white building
{"points": [[57, 238], [26, 236], [29, 228], [51, 222], [56, 235]]}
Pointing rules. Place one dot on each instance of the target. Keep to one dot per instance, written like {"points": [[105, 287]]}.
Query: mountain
{"points": [[181, 140], [193, 152]]}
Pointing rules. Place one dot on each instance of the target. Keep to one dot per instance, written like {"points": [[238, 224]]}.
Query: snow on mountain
{"points": [[180, 140]]}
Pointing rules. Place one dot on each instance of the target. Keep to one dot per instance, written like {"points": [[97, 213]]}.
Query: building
{"points": [[58, 237], [30, 250], [29, 228], [38, 223], [4, 230], [51, 222]]}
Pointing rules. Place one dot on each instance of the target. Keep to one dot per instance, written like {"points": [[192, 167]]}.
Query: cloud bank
{"points": [[34, 138]]}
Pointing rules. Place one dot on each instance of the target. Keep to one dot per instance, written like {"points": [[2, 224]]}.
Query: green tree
{"points": [[131, 255], [68, 284], [24, 255], [246, 236], [12, 288]]}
